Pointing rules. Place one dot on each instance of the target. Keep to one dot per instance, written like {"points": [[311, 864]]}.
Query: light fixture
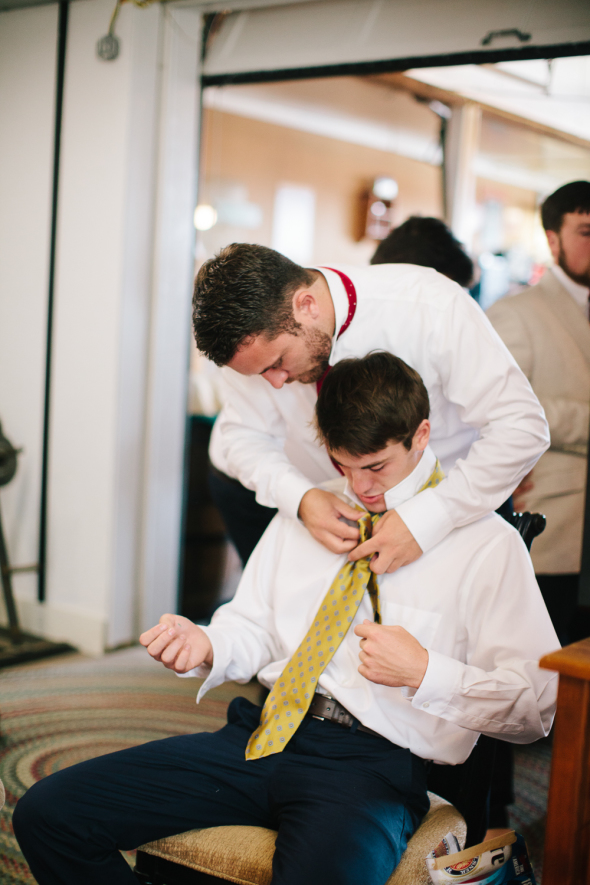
{"points": [[205, 217], [375, 208], [385, 188]]}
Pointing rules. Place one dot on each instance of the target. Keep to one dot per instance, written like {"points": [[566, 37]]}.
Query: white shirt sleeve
{"points": [[242, 631], [250, 434], [499, 689], [492, 395]]}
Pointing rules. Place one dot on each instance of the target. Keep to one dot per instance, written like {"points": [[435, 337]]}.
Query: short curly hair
{"points": [[245, 291]]}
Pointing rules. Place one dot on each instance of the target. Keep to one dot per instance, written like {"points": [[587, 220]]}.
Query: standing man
{"points": [[427, 242], [278, 328], [547, 331]]}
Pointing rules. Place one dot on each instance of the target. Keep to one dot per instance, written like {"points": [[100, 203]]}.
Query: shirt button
{"points": [[426, 705]]}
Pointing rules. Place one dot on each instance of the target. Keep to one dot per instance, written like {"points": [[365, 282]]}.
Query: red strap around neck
{"points": [[351, 295]]}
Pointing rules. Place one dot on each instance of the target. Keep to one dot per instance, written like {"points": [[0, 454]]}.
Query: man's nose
{"points": [[361, 483], [276, 377]]}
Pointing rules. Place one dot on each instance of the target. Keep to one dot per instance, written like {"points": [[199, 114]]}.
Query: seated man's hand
{"points": [[320, 513], [178, 643], [390, 655], [391, 546]]}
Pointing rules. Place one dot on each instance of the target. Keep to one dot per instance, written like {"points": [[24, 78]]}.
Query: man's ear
{"points": [[554, 244], [305, 306], [422, 435]]}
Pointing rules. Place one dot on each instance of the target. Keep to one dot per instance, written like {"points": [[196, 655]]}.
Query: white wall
{"points": [[28, 40], [96, 402], [121, 321], [170, 333]]}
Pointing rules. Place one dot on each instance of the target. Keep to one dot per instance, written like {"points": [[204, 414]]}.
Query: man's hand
{"points": [[320, 513], [178, 643], [390, 655], [391, 546], [519, 494]]}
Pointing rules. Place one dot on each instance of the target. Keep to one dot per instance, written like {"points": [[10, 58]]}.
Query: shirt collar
{"points": [[578, 292], [340, 302], [408, 487]]}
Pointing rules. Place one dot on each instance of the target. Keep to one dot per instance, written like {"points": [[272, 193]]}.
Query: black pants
{"points": [[344, 804], [244, 518]]}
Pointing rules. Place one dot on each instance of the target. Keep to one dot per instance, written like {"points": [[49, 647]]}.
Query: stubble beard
{"points": [[319, 347], [582, 279]]}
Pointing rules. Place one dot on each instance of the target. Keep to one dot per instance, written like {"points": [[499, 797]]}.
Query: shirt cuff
{"points": [[291, 490], [214, 675], [440, 684], [427, 518]]}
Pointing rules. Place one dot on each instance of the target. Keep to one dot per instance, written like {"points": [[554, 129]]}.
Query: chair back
{"points": [[528, 525]]}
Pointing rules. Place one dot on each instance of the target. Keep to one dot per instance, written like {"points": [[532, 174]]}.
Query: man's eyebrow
{"points": [[366, 467]]}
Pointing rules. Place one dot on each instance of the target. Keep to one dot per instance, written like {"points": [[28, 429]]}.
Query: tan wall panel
{"points": [[260, 156]]}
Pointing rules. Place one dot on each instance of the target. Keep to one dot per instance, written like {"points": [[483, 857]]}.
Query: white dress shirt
{"points": [[483, 410], [579, 293], [473, 602]]}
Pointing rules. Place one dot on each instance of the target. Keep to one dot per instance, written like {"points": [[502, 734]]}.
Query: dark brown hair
{"points": [[244, 291], [429, 243], [365, 404], [572, 197]]}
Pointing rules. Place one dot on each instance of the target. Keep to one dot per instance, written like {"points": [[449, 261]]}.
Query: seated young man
{"points": [[410, 667]]}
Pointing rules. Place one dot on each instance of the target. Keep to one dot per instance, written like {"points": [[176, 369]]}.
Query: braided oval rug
{"points": [[60, 712]]}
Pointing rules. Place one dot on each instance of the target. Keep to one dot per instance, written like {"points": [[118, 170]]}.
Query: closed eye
{"points": [[276, 365]]}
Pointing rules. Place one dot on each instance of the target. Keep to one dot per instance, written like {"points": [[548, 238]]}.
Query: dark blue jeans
{"points": [[344, 804]]}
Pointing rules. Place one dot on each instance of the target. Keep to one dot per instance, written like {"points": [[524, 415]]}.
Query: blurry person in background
{"points": [[427, 242], [547, 330]]}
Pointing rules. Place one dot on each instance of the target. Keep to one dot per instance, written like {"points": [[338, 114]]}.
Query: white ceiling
{"points": [[556, 95]]}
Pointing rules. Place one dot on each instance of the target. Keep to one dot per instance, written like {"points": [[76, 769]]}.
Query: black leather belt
{"points": [[324, 707]]}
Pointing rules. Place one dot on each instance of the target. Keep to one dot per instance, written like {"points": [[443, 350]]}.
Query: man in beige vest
{"points": [[547, 330]]}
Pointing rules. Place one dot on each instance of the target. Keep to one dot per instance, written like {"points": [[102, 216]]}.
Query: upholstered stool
{"points": [[244, 854]]}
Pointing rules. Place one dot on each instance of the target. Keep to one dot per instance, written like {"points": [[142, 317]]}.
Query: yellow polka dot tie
{"points": [[292, 693]]}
